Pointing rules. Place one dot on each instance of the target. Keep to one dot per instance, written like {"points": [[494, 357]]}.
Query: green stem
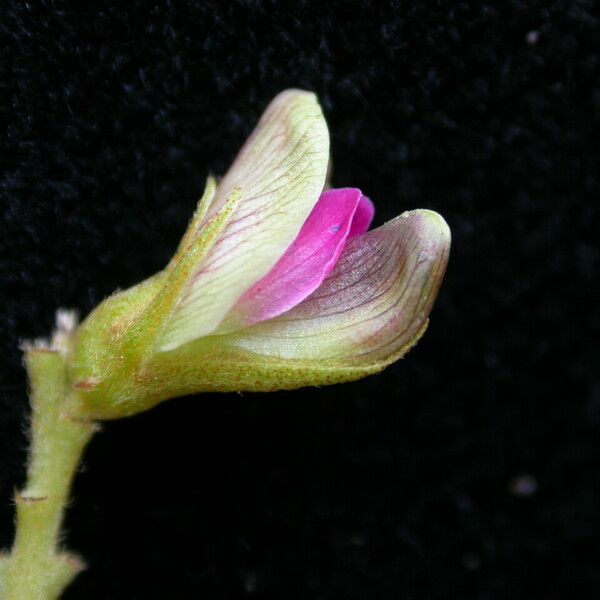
{"points": [[36, 569]]}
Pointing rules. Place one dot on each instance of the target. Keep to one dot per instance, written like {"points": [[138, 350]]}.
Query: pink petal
{"points": [[362, 217], [338, 215]]}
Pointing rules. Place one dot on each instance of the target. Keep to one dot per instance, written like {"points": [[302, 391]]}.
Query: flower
{"points": [[276, 284]]}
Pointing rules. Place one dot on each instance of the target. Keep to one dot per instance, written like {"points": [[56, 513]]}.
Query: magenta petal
{"points": [[339, 214], [362, 217]]}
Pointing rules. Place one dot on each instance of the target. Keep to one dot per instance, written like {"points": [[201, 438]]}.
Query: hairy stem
{"points": [[36, 569]]}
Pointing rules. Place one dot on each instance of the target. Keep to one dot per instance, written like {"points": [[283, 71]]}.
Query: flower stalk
{"points": [[37, 569]]}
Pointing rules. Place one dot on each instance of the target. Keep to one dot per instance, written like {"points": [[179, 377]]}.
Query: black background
{"points": [[399, 486]]}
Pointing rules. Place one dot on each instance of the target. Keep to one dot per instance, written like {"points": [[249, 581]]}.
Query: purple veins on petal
{"points": [[375, 303], [338, 215]]}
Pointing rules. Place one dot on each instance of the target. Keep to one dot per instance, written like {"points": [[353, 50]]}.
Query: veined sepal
{"points": [[112, 345]]}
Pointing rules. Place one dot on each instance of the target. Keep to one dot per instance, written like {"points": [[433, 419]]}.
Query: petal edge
{"points": [[376, 301]]}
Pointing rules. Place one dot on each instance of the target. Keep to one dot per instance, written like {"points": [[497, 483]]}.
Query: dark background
{"points": [[468, 470]]}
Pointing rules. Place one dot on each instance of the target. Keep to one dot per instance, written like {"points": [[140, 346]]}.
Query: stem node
{"points": [[36, 569]]}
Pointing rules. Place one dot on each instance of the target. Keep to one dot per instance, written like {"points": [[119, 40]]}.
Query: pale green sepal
{"points": [[195, 225], [113, 342], [208, 366]]}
